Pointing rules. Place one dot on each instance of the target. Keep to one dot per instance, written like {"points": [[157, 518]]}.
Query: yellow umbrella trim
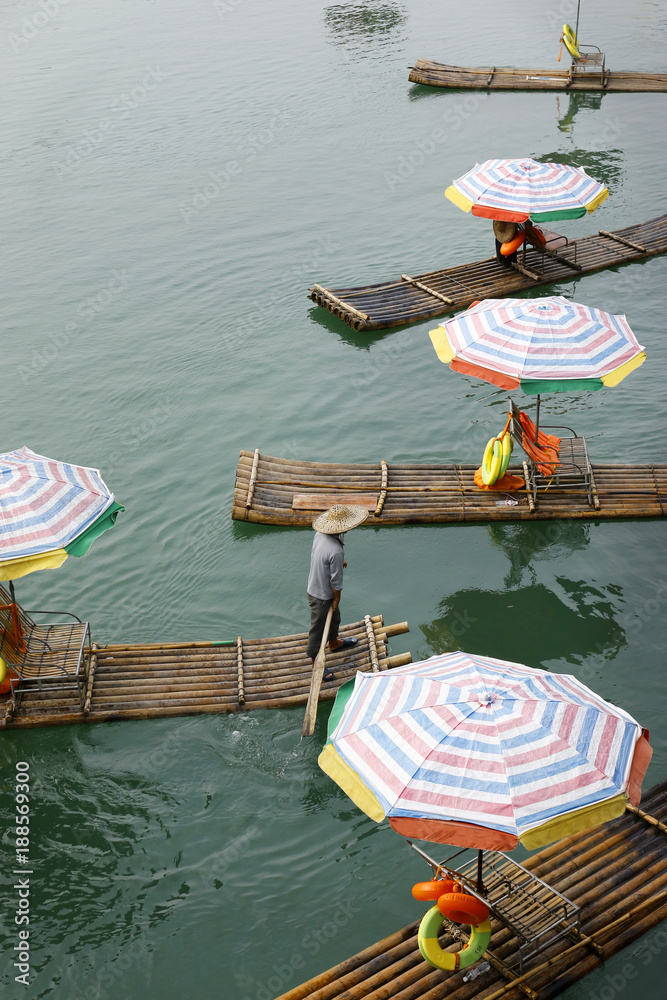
{"points": [[334, 765], [597, 201], [459, 199], [574, 822], [442, 346], [12, 569], [618, 374]]}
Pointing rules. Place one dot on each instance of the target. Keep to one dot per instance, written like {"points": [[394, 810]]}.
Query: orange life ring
{"points": [[535, 235], [433, 889], [462, 908], [509, 248]]}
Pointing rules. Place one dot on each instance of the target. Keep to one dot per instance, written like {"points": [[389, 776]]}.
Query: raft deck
{"points": [[616, 874], [435, 74], [283, 491], [419, 297], [171, 679]]}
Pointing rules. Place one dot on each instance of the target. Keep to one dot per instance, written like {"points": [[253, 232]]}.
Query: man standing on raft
{"points": [[325, 580]]}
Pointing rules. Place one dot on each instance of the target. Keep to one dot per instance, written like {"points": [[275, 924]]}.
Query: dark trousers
{"points": [[505, 261], [318, 616]]}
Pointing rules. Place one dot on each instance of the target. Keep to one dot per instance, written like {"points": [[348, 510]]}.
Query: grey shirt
{"points": [[326, 566]]}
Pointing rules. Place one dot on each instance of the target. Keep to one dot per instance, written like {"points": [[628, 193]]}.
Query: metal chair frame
{"points": [[536, 913], [47, 656], [589, 55], [572, 470]]}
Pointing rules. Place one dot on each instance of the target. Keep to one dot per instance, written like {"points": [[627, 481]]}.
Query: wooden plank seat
{"points": [[54, 656], [553, 462]]}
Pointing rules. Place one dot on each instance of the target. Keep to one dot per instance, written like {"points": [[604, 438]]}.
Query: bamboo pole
{"points": [[429, 291], [308, 727], [387, 305], [253, 479], [370, 635]]}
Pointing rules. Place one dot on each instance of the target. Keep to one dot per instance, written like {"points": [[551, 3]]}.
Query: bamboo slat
{"points": [[136, 681], [427, 494], [434, 74], [615, 911], [411, 299]]}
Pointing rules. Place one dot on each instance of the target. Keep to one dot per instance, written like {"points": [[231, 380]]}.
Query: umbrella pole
{"points": [[537, 420], [11, 591], [576, 29], [480, 883]]}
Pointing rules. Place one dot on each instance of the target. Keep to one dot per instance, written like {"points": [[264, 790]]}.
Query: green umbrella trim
{"points": [[106, 520], [533, 387], [555, 214], [342, 698]]}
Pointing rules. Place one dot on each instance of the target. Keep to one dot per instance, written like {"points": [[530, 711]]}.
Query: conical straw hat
{"points": [[504, 231], [339, 518]]}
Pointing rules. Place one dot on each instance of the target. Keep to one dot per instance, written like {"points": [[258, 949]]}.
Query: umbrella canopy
{"points": [[539, 345], [48, 510], [515, 190], [479, 752]]}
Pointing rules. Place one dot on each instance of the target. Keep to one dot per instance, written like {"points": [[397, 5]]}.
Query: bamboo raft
{"points": [[171, 679], [281, 491], [435, 74], [617, 874], [412, 299]]}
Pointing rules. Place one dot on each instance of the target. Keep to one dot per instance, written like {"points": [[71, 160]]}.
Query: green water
{"points": [[174, 176]]}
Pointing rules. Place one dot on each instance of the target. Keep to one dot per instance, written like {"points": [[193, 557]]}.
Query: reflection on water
{"points": [[566, 111], [350, 24], [530, 624], [604, 165], [523, 544]]}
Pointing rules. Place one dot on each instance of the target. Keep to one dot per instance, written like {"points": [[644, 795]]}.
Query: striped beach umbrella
{"points": [[48, 511], [478, 752], [539, 345], [515, 190]]}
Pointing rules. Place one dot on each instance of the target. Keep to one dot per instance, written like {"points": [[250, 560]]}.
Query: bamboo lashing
{"points": [[526, 479], [429, 291], [159, 680], [308, 727], [240, 679], [614, 911], [253, 479], [657, 490], [91, 679], [584, 942], [414, 298], [383, 489], [436, 74], [431, 493], [594, 492], [621, 239], [339, 302], [518, 266], [646, 817], [372, 647]]}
